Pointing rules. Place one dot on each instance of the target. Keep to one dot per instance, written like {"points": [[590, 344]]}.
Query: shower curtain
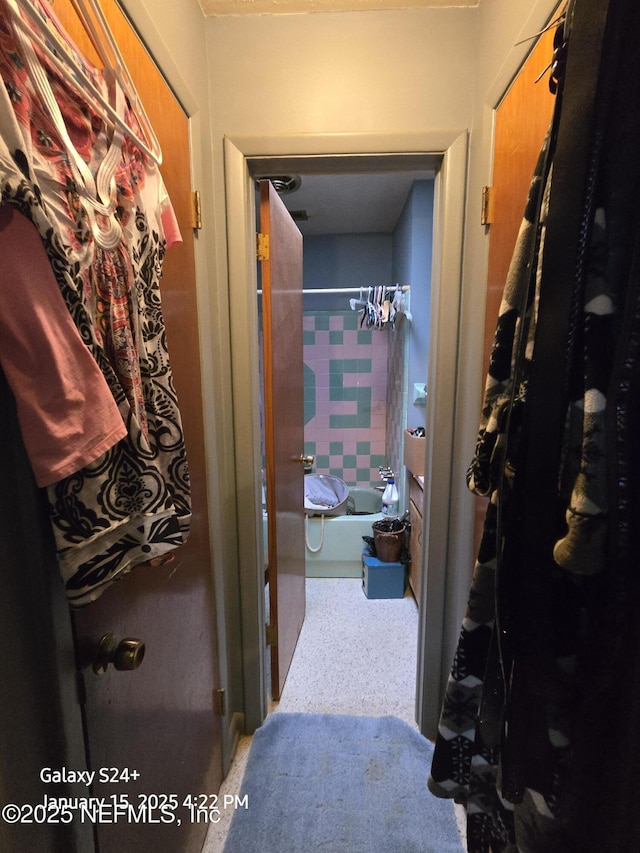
{"points": [[538, 731]]}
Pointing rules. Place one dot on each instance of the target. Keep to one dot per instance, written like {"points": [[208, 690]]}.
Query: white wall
{"points": [[344, 72]]}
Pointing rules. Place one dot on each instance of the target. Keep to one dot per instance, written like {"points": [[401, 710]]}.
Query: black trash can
{"points": [[388, 537]]}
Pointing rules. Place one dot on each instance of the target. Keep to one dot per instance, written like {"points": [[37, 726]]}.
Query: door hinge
{"points": [[272, 635], [220, 702], [486, 216], [262, 247], [197, 210]]}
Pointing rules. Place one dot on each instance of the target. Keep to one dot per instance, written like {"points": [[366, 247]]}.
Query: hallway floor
{"points": [[355, 656]]}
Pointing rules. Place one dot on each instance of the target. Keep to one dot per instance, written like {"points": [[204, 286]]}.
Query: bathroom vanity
{"points": [[414, 460], [416, 498]]}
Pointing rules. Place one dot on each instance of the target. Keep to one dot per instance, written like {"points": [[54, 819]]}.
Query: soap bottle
{"points": [[390, 499]]}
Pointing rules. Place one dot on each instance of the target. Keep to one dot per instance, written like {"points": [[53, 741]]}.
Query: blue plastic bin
{"points": [[382, 580]]}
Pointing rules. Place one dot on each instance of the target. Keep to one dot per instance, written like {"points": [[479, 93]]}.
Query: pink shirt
{"points": [[68, 416]]}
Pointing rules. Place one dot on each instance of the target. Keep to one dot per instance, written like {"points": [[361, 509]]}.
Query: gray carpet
{"points": [[340, 784]]}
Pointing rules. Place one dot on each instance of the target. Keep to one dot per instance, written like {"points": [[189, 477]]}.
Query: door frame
{"points": [[297, 153]]}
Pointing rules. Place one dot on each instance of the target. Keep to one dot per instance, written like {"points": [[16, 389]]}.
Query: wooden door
{"points": [[39, 714], [521, 122], [283, 429], [159, 720]]}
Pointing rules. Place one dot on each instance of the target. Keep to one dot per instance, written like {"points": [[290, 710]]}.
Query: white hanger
{"points": [[72, 70], [102, 37], [556, 22], [99, 194], [358, 303], [400, 301]]}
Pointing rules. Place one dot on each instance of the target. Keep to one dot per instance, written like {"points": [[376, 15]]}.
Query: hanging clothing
{"points": [[382, 306], [467, 757], [100, 208], [528, 728], [68, 417]]}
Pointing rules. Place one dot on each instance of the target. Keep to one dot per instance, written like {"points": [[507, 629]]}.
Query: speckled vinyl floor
{"points": [[355, 656]]}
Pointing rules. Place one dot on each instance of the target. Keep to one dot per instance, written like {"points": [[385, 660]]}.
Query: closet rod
{"points": [[404, 288]]}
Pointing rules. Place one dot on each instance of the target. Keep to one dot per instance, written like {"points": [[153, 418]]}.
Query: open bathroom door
{"points": [[283, 428]]}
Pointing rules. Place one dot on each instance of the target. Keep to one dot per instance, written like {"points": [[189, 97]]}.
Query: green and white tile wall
{"points": [[345, 396]]}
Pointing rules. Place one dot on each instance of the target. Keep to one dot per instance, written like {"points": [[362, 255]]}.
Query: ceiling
{"points": [[216, 8], [352, 203]]}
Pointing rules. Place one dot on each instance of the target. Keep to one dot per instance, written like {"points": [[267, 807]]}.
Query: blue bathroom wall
{"points": [[409, 342], [344, 260], [411, 264]]}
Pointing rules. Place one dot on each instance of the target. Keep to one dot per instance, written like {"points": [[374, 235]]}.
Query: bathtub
{"points": [[341, 553]]}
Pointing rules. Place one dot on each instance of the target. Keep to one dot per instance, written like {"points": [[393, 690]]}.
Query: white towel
{"points": [[321, 491]]}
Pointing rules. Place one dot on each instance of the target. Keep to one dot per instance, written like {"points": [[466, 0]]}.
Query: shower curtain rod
{"points": [[404, 288]]}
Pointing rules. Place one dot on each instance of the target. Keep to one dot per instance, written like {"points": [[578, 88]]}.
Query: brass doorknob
{"points": [[124, 655], [306, 460]]}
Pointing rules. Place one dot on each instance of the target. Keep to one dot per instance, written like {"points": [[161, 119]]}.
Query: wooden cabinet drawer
{"points": [[415, 543], [416, 493]]}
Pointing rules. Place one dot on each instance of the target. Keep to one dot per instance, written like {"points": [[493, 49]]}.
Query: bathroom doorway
{"points": [[245, 158], [361, 232]]}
